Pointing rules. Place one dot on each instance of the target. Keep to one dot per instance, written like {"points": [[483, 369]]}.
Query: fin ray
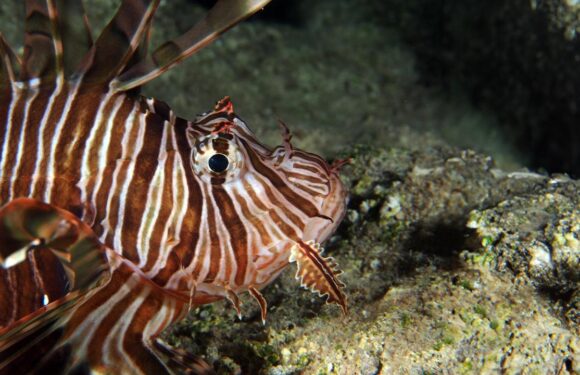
{"points": [[319, 274], [74, 33], [119, 41], [23, 346], [39, 60], [224, 15], [180, 361], [261, 302], [45, 253], [8, 63]]}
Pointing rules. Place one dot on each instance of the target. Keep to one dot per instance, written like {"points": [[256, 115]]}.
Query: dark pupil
{"points": [[218, 163]]}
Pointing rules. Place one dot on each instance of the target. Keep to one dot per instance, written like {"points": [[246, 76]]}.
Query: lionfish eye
{"points": [[218, 163], [216, 159]]}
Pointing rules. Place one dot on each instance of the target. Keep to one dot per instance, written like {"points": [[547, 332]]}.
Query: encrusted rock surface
{"points": [[451, 266], [537, 237]]}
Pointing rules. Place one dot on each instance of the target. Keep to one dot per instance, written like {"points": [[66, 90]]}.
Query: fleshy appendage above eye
{"points": [[216, 158]]}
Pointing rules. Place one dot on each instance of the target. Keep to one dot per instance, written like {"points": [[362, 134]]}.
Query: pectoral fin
{"points": [[318, 274], [49, 259], [261, 301], [45, 253], [180, 361]]}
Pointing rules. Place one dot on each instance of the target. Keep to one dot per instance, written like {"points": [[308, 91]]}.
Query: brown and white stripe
{"points": [[179, 231]]}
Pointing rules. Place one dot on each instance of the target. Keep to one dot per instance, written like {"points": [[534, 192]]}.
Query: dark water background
{"points": [[515, 63], [498, 76]]}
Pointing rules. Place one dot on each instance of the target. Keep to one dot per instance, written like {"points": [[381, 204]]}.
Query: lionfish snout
{"points": [[314, 179], [317, 181], [332, 210]]}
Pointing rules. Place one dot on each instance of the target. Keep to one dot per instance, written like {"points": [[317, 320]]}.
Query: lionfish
{"points": [[117, 217]]}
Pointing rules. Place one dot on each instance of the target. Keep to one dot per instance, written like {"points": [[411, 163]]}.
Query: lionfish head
{"points": [[289, 200], [296, 191]]}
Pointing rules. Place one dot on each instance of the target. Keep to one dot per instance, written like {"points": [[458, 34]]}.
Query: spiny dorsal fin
{"points": [[9, 64], [56, 37], [224, 15], [119, 40], [317, 273], [39, 60], [58, 41], [75, 32]]}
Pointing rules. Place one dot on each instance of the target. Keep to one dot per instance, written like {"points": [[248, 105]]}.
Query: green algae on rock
{"points": [[537, 237]]}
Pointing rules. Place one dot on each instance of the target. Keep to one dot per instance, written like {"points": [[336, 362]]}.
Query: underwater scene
{"points": [[289, 187]]}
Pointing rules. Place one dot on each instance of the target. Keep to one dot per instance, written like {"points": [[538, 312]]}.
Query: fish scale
{"points": [[117, 216]]}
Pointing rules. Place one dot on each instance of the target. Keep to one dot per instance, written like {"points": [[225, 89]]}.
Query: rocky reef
{"points": [[455, 262], [452, 266]]}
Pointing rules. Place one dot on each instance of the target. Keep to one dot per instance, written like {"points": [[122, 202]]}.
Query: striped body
{"points": [[188, 212], [102, 156]]}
